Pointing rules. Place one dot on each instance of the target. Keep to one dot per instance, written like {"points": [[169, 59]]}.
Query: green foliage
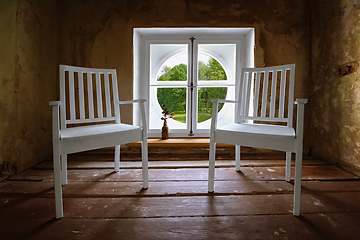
{"points": [[202, 71], [177, 73], [206, 94], [211, 71], [175, 98], [165, 74], [180, 117]]}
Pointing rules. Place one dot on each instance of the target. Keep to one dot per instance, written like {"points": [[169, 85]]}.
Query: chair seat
{"points": [[259, 129], [96, 130]]}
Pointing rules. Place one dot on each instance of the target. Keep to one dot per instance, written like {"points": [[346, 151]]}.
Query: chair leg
{"points": [[64, 179], [145, 167], [57, 184], [297, 184], [117, 158], [237, 158], [211, 166], [288, 167]]}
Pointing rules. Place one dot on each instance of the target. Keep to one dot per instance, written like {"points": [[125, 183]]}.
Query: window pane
{"points": [[209, 69], [174, 69], [174, 100], [205, 95]]}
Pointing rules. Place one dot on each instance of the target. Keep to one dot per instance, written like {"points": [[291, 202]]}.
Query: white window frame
{"points": [[143, 37]]}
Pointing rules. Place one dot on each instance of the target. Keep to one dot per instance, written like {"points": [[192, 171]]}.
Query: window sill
{"points": [[179, 143]]}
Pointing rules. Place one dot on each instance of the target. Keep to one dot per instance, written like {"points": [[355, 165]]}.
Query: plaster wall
{"points": [[37, 35], [335, 123], [100, 33], [28, 58]]}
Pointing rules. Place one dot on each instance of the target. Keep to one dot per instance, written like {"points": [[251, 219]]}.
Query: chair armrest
{"points": [[300, 118], [133, 101], [301, 101], [223, 101], [55, 103], [214, 114], [142, 113]]}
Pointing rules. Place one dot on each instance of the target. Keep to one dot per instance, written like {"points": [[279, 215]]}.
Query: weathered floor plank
{"points": [[185, 188], [114, 189], [255, 203], [100, 163], [309, 226], [180, 206], [191, 174]]}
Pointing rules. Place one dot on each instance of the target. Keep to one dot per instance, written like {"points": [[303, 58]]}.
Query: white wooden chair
{"points": [[89, 118], [265, 101]]}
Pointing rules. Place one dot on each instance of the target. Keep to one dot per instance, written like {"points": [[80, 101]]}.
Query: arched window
{"points": [[184, 74]]}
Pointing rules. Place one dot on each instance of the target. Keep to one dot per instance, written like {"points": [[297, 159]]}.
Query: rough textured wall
{"points": [[99, 33], [28, 63], [335, 130], [36, 36]]}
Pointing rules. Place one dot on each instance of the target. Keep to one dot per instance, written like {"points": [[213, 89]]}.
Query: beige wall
{"points": [[41, 34], [28, 57], [335, 123], [99, 33]]}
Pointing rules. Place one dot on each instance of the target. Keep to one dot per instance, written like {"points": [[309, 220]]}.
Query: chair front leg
{"points": [[145, 167], [144, 146], [237, 158], [297, 184], [212, 149], [57, 183], [288, 167], [56, 158], [299, 154], [211, 166], [117, 158], [64, 179]]}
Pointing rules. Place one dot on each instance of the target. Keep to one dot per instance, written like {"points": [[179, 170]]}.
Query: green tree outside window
{"points": [[175, 98]]}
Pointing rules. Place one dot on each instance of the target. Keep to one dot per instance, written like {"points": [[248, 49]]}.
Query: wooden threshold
{"points": [[179, 143]]}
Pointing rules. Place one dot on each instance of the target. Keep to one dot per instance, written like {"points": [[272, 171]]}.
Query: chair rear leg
{"points": [[237, 158], [117, 158], [145, 167], [297, 184], [288, 167], [57, 184], [64, 178], [211, 166]]}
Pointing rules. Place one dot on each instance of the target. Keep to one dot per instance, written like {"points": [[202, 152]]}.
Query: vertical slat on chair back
{"points": [[88, 95], [267, 94]]}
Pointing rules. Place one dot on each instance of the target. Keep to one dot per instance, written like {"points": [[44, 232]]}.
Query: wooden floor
{"points": [[255, 203]]}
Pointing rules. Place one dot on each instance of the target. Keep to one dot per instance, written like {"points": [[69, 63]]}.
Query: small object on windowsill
{"points": [[165, 131], [165, 128]]}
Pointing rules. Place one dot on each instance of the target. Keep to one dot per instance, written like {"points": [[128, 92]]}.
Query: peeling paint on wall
{"points": [[28, 81], [335, 86], [104, 37], [44, 34], [348, 68]]}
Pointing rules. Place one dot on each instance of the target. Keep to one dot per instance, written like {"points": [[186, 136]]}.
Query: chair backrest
{"points": [[267, 94], [88, 95]]}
